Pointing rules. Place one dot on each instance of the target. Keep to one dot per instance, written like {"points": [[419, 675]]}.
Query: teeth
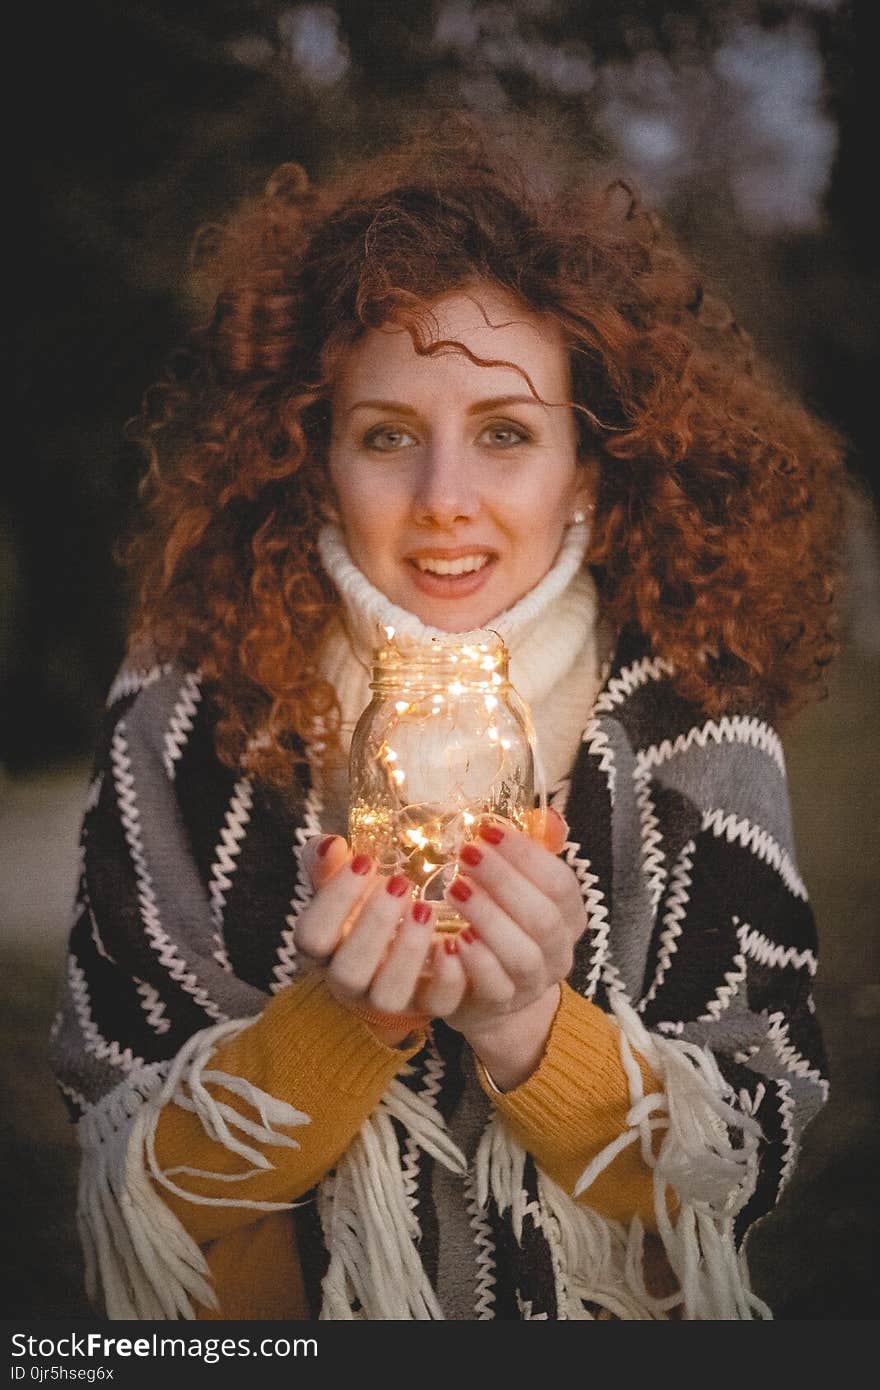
{"points": [[465, 565]]}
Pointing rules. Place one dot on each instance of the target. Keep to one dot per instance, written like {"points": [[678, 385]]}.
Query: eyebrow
{"points": [[493, 403]]}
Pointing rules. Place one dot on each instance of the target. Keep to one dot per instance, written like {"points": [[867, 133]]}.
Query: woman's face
{"points": [[454, 485]]}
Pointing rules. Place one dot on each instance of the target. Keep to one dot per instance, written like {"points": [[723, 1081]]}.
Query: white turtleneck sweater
{"points": [[552, 634]]}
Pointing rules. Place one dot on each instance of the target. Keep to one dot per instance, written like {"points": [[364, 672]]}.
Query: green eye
{"points": [[387, 439], [504, 436]]}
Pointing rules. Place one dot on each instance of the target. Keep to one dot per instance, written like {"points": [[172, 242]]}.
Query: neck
{"points": [[544, 631]]}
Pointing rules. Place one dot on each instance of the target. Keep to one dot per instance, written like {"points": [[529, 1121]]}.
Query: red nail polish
{"points": [[492, 833], [361, 864], [460, 890], [468, 934], [397, 885], [324, 846], [470, 855], [450, 945], [422, 913]]}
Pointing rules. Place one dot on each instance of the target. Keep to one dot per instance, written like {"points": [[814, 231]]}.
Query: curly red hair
{"points": [[719, 503]]}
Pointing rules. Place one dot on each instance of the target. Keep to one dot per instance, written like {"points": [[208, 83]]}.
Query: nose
{"points": [[447, 488]]}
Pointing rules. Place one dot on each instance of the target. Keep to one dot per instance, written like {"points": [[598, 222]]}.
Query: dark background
{"points": [[750, 125]]}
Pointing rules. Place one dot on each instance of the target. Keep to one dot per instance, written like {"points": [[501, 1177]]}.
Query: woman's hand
{"points": [[497, 982], [374, 942], [525, 913]]}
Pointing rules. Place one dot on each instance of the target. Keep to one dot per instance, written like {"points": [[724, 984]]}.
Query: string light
{"points": [[458, 744]]}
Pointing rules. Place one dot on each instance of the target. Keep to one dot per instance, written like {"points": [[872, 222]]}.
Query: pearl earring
{"points": [[579, 517]]}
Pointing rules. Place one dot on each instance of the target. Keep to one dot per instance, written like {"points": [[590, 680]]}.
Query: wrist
{"points": [[511, 1048], [390, 1029]]}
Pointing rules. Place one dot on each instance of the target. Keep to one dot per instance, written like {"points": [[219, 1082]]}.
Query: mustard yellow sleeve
{"points": [[310, 1051], [574, 1103]]}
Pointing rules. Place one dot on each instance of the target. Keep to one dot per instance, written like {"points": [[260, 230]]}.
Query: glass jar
{"points": [[444, 744]]}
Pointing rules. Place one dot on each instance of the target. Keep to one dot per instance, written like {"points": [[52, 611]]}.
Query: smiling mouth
{"points": [[466, 564]]}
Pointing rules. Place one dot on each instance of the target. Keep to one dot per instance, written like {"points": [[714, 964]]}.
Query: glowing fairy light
{"points": [[462, 752]]}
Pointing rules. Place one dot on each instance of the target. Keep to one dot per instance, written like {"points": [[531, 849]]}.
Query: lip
{"points": [[437, 552], [450, 585]]}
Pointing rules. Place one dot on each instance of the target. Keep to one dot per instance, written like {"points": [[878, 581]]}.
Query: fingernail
{"points": [[470, 855], [324, 846], [397, 885], [492, 833], [460, 890], [450, 945], [422, 912], [361, 864], [468, 934]]}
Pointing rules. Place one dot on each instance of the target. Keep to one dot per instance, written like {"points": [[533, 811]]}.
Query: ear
{"points": [[587, 482]]}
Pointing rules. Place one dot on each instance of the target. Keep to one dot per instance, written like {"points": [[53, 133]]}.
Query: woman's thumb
{"points": [[321, 857], [549, 828]]}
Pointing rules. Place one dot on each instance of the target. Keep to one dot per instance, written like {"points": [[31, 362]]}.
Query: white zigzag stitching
{"points": [[93, 795], [786, 1115], [760, 842], [153, 1007], [158, 939], [596, 739], [597, 911], [724, 993], [650, 668], [788, 1055], [94, 1042], [238, 813], [286, 963], [653, 859], [680, 882], [766, 952], [76, 1096], [485, 1251], [433, 1077], [181, 721], [730, 729], [128, 682]]}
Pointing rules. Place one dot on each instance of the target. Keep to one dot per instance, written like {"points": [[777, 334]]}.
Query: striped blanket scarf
{"points": [[700, 943]]}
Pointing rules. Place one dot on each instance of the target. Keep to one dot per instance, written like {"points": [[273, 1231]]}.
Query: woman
{"points": [[439, 395]]}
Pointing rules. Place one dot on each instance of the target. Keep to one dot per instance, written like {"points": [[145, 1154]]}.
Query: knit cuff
{"points": [[577, 1098], [328, 1048]]}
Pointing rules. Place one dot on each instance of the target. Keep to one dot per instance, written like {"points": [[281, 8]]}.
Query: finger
{"points": [[396, 981], [549, 874], [321, 925], [442, 992], [357, 959], [548, 827], [520, 957], [489, 983], [322, 857]]}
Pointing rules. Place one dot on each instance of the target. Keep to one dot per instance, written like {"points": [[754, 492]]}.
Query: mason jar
{"points": [[444, 744]]}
